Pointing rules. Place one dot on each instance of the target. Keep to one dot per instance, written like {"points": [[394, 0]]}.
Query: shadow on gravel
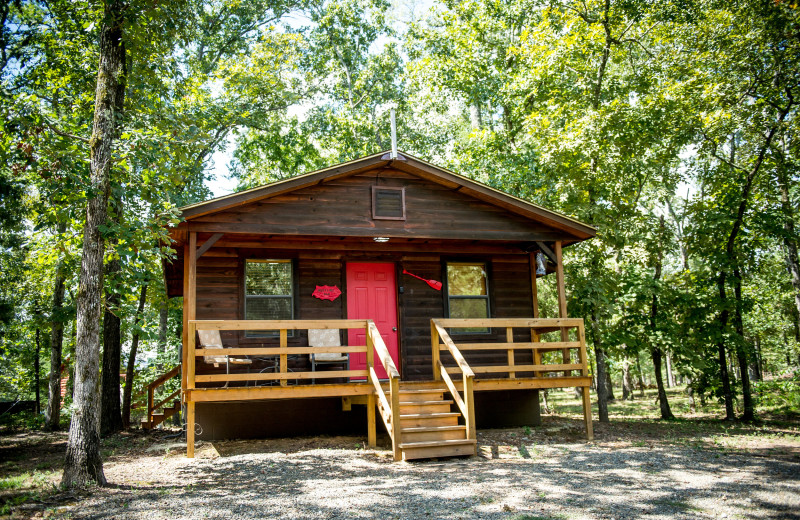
{"points": [[578, 481]]}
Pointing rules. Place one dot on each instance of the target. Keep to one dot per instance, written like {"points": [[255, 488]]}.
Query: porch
{"points": [[424, 419]]}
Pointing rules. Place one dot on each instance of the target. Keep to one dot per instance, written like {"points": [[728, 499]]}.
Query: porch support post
{"points": [[562, 303], [371, 439], [537, 356], [587, 404], [190, 314]]}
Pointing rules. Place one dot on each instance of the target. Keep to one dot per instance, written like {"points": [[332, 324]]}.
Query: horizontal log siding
{"points": [[219, 293], [344, 207]]}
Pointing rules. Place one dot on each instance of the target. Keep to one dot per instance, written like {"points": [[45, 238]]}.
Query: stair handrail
{"points": [[466, 403], [375, 341], [151, 390]]}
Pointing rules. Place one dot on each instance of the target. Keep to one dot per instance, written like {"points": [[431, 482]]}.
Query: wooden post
{"points": [[190, 314], [562, 303], [284, 358], [190, 429], [469, 403], [371, 438], [587, 404], [510, 339], [370, 347], [537, 356], [394, 384], [150, 392], [435, 352], [185, 335]]}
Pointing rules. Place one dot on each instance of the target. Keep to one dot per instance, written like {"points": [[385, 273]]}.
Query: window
{"points": [[388, 203], [268, 292], [467, 293]]}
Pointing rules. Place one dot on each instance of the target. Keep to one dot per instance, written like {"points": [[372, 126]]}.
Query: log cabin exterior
{"points": [[436, 318]]}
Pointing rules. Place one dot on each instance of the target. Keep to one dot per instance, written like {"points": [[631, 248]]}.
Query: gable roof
{"points": [[406, 163]]}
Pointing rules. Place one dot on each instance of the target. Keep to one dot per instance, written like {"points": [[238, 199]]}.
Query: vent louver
{"points": [[388, 203]]}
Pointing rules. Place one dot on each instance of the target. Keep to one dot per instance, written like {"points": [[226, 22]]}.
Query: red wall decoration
{"points": [[326, 292]]}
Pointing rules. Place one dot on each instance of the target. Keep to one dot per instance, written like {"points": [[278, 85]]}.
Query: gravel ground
{"points": [[516, 476]]}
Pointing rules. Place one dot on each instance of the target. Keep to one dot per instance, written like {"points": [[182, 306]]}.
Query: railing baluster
{"points": [[510, 339], [284, 358], [435, 351]]}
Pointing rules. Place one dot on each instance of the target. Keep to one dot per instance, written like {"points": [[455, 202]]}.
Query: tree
{"points": [[83, 463]]}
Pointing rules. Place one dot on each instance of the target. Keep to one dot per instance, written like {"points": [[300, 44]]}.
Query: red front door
{"points": [[372, 295]]}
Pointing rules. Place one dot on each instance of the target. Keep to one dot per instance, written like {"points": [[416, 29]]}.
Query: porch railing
{"points": [[154, 386], [441, 341], [536, 326], [465, 403], [389, 406]]}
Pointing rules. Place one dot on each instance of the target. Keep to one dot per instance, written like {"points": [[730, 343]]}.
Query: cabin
{"points": [[383, 291]]}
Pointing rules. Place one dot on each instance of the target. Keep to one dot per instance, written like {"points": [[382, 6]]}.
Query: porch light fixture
{"points": [[381, 239], [540, 269]]}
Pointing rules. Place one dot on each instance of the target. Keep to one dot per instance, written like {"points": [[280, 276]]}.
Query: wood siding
{"points": [[343, 207], [220, 296]]}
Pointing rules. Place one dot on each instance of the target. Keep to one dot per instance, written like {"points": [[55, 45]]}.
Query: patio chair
{"points": [[325, 338], [210, 339]]}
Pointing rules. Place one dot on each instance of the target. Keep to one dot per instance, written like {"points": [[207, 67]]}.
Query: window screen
{"points": [[268, 292], [467, 293]]}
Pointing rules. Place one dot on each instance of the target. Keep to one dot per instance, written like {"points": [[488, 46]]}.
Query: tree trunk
{"points": [[742, 352], [129, 372], [82, 464], [790, 236], [36, 379], [639, 375], [609, 385], [655, 349], [602, 392], [722, 351], [52, 415], [110, 412], [627, 381], [163, 314], [670, 374]]}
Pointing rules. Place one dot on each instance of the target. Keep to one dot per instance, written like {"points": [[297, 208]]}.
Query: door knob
{"points": [[394, 329]]}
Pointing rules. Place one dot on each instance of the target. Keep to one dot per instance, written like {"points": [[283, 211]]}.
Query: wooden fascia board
{"points": [[278, 188], [498, 198]]}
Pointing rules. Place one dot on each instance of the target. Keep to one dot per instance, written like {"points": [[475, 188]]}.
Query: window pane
{"points": [[268, 309], [268, 278], [466, 280], [468, 308]]}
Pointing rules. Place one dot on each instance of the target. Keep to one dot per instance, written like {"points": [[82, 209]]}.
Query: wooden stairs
{"points": [[428, 426], [159, 417]]}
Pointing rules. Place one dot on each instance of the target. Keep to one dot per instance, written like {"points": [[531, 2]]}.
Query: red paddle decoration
{"points": [[432, 283], [326, 292]]}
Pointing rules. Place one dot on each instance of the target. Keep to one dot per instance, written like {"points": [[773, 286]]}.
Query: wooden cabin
{"points": [[383, 284]]}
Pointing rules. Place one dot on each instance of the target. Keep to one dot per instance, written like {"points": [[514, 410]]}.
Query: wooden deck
{"points": [[416, 414]]}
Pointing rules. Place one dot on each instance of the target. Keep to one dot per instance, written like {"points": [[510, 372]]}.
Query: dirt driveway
{"points": [[633, 470]]}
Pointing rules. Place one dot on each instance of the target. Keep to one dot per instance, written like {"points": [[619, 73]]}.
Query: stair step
{"points": [[418, 407], [431, 444], [435, 449], [428, 415], [434, 433], [429, 419], [420, 403]]}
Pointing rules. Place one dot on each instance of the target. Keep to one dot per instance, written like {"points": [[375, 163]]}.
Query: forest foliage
{"points": [[670, 126]]}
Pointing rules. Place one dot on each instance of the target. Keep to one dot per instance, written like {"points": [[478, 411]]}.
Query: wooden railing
{"points": [[466, 403], [536, 326], [283, 375], [151, 392], [389, 408]]}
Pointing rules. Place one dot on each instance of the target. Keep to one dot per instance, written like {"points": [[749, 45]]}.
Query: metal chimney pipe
{"points": [[394, 135]]}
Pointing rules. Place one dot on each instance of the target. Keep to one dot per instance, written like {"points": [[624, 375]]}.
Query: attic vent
{"points": [[388, 203]]}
